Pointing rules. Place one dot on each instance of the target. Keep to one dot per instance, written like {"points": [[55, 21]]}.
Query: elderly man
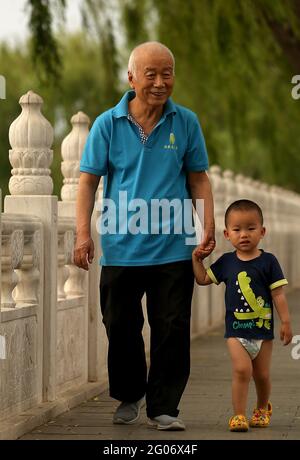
{"points": [[149, 149]]}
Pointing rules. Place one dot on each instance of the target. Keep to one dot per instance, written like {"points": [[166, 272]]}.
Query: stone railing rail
{"points": [[52, 342]]}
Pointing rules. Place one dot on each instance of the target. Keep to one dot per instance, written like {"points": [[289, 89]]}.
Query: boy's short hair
{"points": [[244, 205]]}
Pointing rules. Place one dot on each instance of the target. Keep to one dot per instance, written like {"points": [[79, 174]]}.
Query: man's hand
{"points": [[83, 252], [207, 245], [286, 333]]}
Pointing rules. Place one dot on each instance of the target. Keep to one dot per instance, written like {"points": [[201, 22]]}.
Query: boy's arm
{"points": [[282, 308], [201, 276]]}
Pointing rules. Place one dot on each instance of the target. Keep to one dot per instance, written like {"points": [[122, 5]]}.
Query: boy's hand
{"points": [[286, 333], [200, 252]]}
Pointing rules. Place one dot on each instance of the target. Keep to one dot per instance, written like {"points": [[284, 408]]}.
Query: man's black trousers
{"points": [[168, 289]]}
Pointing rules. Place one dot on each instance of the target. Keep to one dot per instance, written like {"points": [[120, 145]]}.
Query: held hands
{"points": [[205, 248], [83, 252], [286, 333]]}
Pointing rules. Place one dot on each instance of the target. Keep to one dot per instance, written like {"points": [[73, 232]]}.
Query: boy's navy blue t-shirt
{"points": [[249, 308]]}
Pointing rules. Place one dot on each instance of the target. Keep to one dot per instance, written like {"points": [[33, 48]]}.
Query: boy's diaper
{"points": [[251, 345]]}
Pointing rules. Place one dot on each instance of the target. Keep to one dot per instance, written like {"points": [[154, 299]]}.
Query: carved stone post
{"points": [[71, 151], [72, 148], [31, 136]]}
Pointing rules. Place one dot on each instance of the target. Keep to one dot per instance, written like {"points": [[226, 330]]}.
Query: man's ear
{"points": [[226, 234], [130, 79]]}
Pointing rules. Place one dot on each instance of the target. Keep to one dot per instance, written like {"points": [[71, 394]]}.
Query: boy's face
{"points": [[244, 230]]}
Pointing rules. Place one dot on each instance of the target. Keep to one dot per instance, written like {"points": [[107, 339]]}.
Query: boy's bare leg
{"points": [[241, 375], [261, 374]]}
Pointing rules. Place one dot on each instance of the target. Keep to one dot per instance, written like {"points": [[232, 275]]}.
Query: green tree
{"points": [[82, 87], [44, 47], [234, 72], [234, 63]]}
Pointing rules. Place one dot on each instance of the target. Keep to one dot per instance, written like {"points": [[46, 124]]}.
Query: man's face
{"points": [[153, 80]]}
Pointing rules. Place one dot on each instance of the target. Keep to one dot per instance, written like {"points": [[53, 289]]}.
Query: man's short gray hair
{"points": [[132, 58]]}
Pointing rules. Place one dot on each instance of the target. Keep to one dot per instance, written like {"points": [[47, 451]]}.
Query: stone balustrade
{"points": [[21, 320], [20, 261], [53, 345]]}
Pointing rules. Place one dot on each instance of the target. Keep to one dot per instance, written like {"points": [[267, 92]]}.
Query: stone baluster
{"points": [[292, 237], [278, 224], [273, 219], [75, 283], [74, 286], [71, 150], [249, 188], [287, 231], [230, 187], [66, 237], [263, 190], [28, 290], [12, 256], [62, 270], [242, 188], [31, 136], [256, 194], [296, 251], [231, 195], [284, 218]]}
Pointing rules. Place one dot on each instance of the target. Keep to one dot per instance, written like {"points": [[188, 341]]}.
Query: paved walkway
{"points": [[206, 403]]}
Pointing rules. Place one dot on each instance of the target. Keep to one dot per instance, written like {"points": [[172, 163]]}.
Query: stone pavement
{"points": [[206, 403]]}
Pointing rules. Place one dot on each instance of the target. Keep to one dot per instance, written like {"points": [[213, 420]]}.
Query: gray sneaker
{"points": [[128, 413], [166, 422]]}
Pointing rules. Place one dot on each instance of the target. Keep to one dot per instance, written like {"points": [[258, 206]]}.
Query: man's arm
{"points": [[84, 248], [281, 305], [200, 188]]}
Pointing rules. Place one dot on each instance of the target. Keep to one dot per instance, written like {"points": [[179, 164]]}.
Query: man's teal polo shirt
{"points": [[146, 173]]}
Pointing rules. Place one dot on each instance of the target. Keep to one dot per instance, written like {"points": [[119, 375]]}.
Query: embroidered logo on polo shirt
{"points": [[171, 145]]}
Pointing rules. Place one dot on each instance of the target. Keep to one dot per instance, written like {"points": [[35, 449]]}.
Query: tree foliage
{"points": [[44, 47], [82, 87], [233, 71]]}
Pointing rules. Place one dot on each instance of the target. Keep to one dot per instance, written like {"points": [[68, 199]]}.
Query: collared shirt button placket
{"points": [[143, 135]]}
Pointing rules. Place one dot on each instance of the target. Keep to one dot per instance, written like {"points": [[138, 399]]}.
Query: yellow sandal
{"points": [[261, 417], [238, 423]]}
